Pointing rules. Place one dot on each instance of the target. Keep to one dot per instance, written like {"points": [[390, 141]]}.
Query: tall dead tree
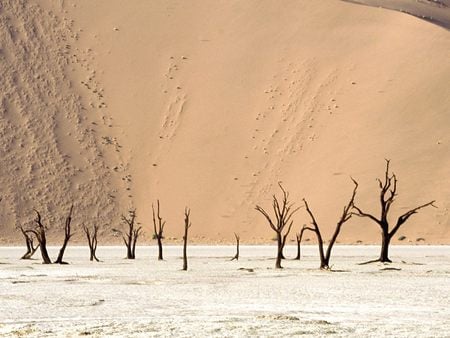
{"points": [[346, 215], [131, 236], [236, 256], [187, 225], [388, 193], [92, 241], [283, 211], [298, 237], [158, 229], [67, 235], [31, 249], [39, 232]]}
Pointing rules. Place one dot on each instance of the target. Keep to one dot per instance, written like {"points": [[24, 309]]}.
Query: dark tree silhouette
{"points": [[92, 241], [158, 229], [31, 249], [131, 236], [388, 193], [236, 256], [39, 232], [298, 237], [187, 225], [346, 215], [283, 213], [67, 235]]}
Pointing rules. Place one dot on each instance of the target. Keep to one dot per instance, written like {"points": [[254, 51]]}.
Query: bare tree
{"points": [[92, 241], [346, 215], [388, 193], [158, 228], [299, 237], [39, 232], [187, 225], [67, 235], [236, 256], [31, 249], [283, 213], [130, 238]]}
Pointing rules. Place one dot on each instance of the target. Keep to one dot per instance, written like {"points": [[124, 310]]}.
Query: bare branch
{"points": [[360, 213], [403, 218]]}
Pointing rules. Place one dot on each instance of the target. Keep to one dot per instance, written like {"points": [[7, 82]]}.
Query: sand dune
{"points": [[434, 11], [209, 104]]}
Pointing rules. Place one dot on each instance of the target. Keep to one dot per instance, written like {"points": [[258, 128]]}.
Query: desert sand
{"points": [[110, 105]]}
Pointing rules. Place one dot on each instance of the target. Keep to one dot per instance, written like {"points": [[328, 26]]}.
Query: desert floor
{"points": [[219, 297]]}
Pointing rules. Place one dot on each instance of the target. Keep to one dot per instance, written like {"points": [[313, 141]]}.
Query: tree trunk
{"points": [[129, 254], [236, 256], [30, 245], [44, 253], [185, 263], [280, 245], [59, 260], [39, 232], [94, 256], [323, 259], [324, 265], [160, 249], [298, 250], [385, 241], [67, 236], [43, 245], [130, 238], [187, 225], [92, 241], [279, 251]]}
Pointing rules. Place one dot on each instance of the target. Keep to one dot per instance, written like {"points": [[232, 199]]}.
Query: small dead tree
{"points": [[31, 249], [92, 241], [283, 213], [236, 256], [388, 193], [67, 235], [187, 225], [158, 229], [346, 215], [131, 236], [299, 237], [39, 232]]}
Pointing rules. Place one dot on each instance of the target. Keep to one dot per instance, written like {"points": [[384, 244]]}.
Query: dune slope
{"points": [[209, 105]]}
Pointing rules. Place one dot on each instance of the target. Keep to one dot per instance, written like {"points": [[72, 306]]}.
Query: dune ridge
{"points": [[435, 11]]}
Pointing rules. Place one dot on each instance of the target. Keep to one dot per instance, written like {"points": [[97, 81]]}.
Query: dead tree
{"points": [[283, 215], [299, 237], [388, 193], [67, 235], [346, 215], [92, 241], [130, 237], [31, 249], [187, 225], [158, 229], [236, 257], [39, 232]]}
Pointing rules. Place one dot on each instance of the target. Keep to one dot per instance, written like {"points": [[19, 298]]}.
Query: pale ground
{"points": [[216, 298], [110, 105]]}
